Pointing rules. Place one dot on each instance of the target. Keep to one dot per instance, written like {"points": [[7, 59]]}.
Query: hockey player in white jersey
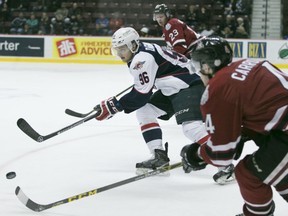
{"points": [[178, 92]]}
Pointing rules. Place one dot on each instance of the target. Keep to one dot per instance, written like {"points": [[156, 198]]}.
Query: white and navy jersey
{"points": [[155, 66]]}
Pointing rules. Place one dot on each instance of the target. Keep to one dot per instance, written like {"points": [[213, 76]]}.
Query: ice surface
{"points": [[94, 154]]}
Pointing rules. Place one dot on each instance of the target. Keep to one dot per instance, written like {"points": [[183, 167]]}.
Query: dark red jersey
{"points": [[248, 94], [179, 36]]}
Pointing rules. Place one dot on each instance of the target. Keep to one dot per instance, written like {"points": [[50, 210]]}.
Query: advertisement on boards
{"points": [[82, 48], [21, 47]]}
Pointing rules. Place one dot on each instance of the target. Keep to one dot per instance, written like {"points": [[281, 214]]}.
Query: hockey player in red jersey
{"points": [[176, 33], [245, 96], [181, 38]]}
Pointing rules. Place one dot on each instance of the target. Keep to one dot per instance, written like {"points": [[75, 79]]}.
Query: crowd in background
{"points": [[227, 18]]}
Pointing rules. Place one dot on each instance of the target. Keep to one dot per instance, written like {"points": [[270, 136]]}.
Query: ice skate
{"points": [[160, 159], [225, 175]]}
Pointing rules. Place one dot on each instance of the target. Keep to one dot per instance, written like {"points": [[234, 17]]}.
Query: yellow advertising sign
{"points": [[89, 48]]}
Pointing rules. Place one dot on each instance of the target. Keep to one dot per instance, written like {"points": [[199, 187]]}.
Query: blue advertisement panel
{"points": [[237, 48], [257, 50]]}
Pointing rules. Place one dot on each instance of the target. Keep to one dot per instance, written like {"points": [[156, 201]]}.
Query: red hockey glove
{"points": [[190, 159], [108, 108]]}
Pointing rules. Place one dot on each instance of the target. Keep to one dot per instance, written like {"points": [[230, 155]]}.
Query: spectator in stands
{"points": [[61, 23], [17, 24], [26, 30], [75, 10], [5, 16], [226, 32], [67, 26], [40, 6], [241, 7], [206, 30], [115, 23], [44, 24], [57, 25], [19, 5], [228, 11], [226, 3], [62, 11], [204, 15], [101, 26], [77, 25], [242, 30], [144, 32], [192, 16], [228, 25], [33, 24], [53, 5], [5, 12]]}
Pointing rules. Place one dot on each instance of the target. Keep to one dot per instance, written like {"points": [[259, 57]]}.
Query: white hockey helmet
{"points": [[125, 36]]}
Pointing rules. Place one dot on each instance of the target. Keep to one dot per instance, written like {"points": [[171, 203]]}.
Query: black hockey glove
{"points": [[108, 108], [190, 159]]}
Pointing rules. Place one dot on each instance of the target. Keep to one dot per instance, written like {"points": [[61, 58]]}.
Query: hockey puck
{"points": [[10, 175]]}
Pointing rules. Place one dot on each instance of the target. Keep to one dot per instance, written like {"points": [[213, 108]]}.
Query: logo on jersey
{"points": [[168, 26], [138, 65], [205, 96]]}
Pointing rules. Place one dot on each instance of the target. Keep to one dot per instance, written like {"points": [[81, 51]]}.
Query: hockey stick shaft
{"points": [[83, 115], [28, 130], [40, 207]]}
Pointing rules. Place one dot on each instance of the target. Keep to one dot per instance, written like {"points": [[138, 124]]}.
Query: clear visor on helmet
{"points": [[120, 51]]}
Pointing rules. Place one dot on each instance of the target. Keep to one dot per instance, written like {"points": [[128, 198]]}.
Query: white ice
{"points": [[94, 154]]}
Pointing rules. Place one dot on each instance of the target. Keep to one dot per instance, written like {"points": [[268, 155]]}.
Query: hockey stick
{"points": [[40, 207], [28, 130], [83, 115]]}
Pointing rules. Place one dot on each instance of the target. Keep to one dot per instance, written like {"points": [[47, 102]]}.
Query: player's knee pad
{"points": [[195, 131], [148, 113]]}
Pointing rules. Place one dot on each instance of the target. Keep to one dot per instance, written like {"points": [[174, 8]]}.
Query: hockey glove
{"points": [[108, 108], [190, 159]]}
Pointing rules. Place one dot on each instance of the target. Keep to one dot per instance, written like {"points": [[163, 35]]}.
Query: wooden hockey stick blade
{"points": [[40, 207]]}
